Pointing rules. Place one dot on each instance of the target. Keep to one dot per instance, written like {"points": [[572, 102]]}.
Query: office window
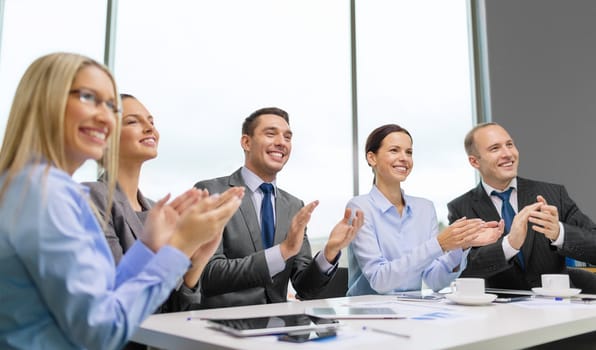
{"points": [[414, 70], [207, 65], [32, 28], [201, 68]]}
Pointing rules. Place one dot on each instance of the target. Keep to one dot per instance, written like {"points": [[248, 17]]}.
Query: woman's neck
{"points": [[393, 193], [128, 179]]}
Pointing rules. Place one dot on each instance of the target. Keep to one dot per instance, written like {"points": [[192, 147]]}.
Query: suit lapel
{"points": [[248, 212], [483, 206], [132, 219], [282, 217], [526, 194]]}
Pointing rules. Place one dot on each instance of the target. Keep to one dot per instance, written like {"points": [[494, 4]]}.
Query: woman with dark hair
{"points": [[399, 245]]}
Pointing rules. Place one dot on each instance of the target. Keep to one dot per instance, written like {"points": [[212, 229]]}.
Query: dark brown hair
{"points": [[249, 125], [376, 137]]}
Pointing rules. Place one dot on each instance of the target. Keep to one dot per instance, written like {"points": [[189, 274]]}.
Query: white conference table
{"points": [[493, 326]]}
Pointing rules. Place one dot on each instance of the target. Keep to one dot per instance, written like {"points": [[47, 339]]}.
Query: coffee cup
{"points": [[555, 281], [468, 286]]}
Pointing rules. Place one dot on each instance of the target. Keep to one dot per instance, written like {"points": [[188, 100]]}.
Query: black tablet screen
{"points": [[273, 322]]}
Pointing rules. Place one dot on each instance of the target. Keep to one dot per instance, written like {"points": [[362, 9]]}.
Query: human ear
{"points": [[474, 161], [245, 142], [371, 159]]}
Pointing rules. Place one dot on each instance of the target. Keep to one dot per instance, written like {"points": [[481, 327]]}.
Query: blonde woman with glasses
{"points": [[60, 287]]}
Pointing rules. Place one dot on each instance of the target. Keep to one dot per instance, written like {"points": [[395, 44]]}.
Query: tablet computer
{"points": [[510, 297], [345, 312], [280, 324], [417, 295]]}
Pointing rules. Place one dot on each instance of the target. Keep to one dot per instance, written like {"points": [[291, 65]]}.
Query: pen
{"points": [[382, 331]]}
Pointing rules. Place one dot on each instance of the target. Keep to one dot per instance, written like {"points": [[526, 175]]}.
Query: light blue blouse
{"points": [[393, 253], [59, 288]]}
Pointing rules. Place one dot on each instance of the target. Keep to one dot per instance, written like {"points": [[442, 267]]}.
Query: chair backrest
{"points": [[583, 279]]}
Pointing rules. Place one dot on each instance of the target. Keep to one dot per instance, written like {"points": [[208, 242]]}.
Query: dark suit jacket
{"points": [[238, 274], [122, 230], [540, 256]]}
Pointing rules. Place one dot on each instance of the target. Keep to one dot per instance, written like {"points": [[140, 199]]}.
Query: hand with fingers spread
{"points": [[460, 234], [519, 226], [162, 218], [205, 220], [546, 220], [488, 234], [343, 233], [293, 242]]}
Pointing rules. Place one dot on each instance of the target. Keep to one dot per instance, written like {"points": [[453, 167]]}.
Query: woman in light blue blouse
{"points": [[399, 245], [59, 288]]}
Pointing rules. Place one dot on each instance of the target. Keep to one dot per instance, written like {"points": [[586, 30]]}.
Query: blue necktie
{"points": [[267, 220], [507, 213]]}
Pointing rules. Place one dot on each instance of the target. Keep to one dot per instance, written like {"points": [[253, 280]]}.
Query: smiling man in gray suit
{"points": [[249, 266], [546, 224]]}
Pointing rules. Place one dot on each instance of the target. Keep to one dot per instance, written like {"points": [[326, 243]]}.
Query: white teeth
{"points": [[149, 141], [507, 164], [276, 154], [401, 168], [97, 134]]}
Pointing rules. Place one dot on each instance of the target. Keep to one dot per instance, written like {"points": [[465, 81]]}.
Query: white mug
{"points": [[468, 286], [555, 281]]}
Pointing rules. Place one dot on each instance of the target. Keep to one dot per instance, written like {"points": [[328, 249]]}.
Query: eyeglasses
{"points": [[90, 98]]}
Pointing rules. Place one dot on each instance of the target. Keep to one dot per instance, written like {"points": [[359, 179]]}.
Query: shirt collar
{"points": [[384, 204], [253, 181], [489, 189]]}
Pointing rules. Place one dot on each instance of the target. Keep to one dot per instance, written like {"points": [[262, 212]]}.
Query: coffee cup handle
{"points": [[453, 286]]}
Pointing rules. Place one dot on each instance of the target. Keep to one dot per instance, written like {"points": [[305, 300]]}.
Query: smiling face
{"points": [[139, 137], [497, 157], [392, 162], [268, 149], [87, 125]]}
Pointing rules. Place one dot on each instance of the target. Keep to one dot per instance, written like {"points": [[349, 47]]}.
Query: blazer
{"points": [[124, 227], [540, 256], [238, 274]]}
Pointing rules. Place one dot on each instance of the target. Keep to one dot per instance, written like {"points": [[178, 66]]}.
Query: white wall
{"points": [[542, 66]]}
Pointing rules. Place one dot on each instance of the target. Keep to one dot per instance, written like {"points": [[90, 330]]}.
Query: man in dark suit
{"points": [[249, 266], [546, 224]]}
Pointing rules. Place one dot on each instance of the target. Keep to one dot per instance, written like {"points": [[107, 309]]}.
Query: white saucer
{"points": [[561, 293], [481, 299]]}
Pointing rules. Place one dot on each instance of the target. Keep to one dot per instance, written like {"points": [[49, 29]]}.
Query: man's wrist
{"points": [[331, 254], [514, 242]]}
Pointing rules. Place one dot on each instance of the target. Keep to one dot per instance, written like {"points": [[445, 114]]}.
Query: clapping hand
{"points": [[546, 220], [489, 233], [460, 234], [519, 226], [205, 220], [343, 233], [162, 218], [293, 242]]}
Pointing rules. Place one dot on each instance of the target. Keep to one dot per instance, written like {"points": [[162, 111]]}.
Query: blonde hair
{"points": [[35, 128]]}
